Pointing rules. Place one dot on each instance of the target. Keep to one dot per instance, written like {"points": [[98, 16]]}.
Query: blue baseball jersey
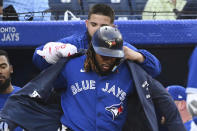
{"points": [[3, 99], [151, 63], [188, 125], [192, 76], [191, 125], [92, 102]]}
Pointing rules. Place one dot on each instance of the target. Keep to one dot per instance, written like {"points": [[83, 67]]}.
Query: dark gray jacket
{"points": [[144, 110]]}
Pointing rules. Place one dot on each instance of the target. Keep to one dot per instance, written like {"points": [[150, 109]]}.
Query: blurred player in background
{"points": [[189, 12], [6, 69], [178, 94], [192, 86], [6, 87]]}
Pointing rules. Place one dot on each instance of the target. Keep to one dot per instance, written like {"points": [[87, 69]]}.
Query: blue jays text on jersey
{"points": [[90, 85], [93, 102], [151, 63]]}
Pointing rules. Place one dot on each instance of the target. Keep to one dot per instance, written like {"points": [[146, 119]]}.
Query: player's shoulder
{"points": [[124, 67], [72, 39], [76, 60], [16, 88], [74, 65]]}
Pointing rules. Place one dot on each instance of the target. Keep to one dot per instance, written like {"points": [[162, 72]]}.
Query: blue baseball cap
{"points": [[177, 92]]}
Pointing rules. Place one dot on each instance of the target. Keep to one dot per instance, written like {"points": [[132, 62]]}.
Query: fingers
{"points": [[53, 51], [133, 55]]}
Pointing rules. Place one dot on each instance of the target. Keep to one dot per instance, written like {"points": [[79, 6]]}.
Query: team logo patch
{"points": [[115, 109], [111, 43]]}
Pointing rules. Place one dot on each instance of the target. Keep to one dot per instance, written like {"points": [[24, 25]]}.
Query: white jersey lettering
{"points": [[116, 91], [92, 84], [74, 89], [119, 92], [122, 97], [78, 89], [112, 89], [106, 87], [85, 87]]}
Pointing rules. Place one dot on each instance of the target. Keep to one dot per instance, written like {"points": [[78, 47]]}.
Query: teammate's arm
{"points": [[144, 58], [149, 62], [51, 52]]}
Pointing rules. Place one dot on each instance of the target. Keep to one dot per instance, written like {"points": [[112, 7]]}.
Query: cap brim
{"points": [[109, 52]]}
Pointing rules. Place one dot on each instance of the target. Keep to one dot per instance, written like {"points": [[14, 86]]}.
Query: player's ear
{"points": [[86, 21], [11, 69]]}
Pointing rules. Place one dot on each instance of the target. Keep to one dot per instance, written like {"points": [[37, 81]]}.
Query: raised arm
{"points": [[144, 58]]}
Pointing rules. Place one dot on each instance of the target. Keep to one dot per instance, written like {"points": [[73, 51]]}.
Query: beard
{"points": [[111, 69], [4, 85], [104, 73]]}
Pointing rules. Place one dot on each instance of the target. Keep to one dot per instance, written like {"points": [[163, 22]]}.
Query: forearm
{"points": [[151, 64], [39, 61], [144, 58]]}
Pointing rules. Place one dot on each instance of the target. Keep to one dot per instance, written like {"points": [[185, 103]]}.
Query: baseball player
{"points": [[99, 15], [95, 96], [97, 85], [192, 86], [6, 87], [178, 94]]}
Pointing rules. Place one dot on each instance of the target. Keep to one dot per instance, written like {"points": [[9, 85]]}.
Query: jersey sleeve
{"points": [[151, 63], [69, 40], [38, 61], [192, 75]]}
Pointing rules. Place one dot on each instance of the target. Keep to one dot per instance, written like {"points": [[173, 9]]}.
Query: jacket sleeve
{"points": [[151, 64], [165, 106]]}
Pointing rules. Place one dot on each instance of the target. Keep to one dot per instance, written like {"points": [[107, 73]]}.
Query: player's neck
{"points": [[186, 116], [8, 90]]}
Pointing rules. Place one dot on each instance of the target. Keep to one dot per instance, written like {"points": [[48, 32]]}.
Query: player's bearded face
{"points": [[4, 84], [105, 63], [5, 71]]}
